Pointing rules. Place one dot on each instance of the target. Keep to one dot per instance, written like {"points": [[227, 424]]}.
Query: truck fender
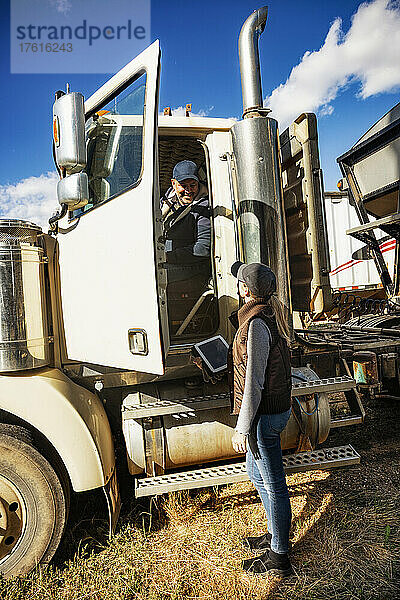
{"points": [[71, 417]]}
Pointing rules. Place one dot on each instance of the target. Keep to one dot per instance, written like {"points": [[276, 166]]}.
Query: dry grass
{"points": [[345, 535]]}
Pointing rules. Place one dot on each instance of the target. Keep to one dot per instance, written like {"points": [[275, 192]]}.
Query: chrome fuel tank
{"points": [[24, 340], [160, 438]]}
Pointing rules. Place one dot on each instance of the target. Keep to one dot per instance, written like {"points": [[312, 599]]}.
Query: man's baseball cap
{"points": [[186, 169], [259, 278]]}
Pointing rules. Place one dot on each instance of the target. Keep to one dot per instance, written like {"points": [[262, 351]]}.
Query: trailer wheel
{"points": [[33, 504]]}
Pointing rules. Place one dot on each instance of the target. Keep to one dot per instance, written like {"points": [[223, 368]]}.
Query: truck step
{"points": [[346, 421], [324, 458], [168, 407], [331, 384], [134, 410]]}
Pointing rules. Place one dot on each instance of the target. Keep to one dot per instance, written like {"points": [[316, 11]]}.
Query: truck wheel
{"points": [[33, 504]]}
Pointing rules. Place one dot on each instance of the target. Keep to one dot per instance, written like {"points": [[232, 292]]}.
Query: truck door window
{"points": [[114, 138]]}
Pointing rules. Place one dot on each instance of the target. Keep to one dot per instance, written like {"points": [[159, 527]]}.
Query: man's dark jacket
{"points": [[187, 239]]}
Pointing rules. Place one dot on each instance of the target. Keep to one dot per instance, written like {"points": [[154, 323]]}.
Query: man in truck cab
{"points": [[187, 232]]}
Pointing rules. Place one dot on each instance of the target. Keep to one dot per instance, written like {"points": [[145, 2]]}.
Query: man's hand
{"points": [[197, 361], [239, 442], [208, 377]]}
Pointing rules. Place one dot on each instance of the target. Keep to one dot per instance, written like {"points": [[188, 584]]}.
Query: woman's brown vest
{"points": [[276, 395]]}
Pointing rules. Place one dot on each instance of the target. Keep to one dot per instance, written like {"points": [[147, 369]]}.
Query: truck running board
{"points": [[324, 458], [132, 409]]}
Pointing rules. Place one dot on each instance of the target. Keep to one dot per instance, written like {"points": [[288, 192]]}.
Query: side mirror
{"points": [[69, 132], [73, 190]]}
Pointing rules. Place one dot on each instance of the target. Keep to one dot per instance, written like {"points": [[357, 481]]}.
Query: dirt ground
{"points": [[378, 443]]}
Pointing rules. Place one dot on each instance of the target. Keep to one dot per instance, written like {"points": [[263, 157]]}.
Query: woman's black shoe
{"points": [[261, 542], [270, 562]]}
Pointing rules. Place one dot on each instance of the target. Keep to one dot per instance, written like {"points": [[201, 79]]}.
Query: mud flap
{"points": [[111, 490]]}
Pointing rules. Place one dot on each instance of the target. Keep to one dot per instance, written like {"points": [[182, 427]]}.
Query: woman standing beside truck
{"points": [[261, 395]]}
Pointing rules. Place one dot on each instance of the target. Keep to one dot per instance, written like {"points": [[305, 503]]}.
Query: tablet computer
{"points": [[214, 353]]}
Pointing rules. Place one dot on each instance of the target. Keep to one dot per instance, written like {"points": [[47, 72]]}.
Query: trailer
{"points": [[89, 344], [352, 264]]}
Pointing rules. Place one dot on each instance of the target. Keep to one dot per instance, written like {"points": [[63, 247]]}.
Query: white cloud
{"points": [[62, 6], [326, 110], [368, 54], [33, 199]]}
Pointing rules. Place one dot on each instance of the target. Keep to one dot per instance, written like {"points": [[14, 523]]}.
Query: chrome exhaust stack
{"points": [[255, 142], [249, 60]]}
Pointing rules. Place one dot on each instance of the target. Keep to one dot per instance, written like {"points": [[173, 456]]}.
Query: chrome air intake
{"points": [[24, 341]]}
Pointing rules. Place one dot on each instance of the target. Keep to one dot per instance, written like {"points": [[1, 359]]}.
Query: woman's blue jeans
{"points": [[265, 470]]}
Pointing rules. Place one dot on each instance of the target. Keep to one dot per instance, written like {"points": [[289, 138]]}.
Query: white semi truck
{"points": [[87, 344]]}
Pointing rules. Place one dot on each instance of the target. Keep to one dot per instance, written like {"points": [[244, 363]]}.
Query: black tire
{"points": [[33, 504]]}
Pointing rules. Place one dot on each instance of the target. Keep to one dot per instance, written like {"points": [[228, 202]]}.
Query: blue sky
{"points": [[350, 83]]}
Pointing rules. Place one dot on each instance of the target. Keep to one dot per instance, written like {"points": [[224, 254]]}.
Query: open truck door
{"points": [[113, 297]]}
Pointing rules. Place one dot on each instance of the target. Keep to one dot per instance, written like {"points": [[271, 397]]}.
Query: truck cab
{"points": [[207, 142]]}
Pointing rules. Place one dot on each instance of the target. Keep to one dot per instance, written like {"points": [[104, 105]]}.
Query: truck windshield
{"points": [[114, 138]]}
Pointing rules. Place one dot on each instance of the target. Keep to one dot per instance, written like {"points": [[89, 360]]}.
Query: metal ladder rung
{"points": [[324, 458], [346, 421], [168, 407], [331, 384]]}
